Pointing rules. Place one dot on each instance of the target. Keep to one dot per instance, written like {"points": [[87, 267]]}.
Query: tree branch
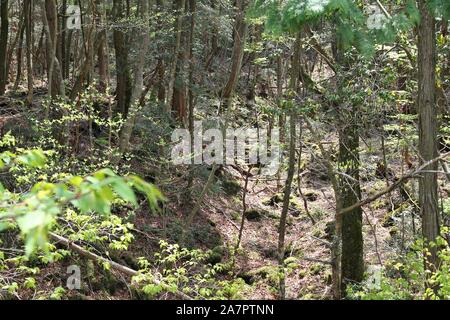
{"points": [[400, 181], [90, 255]]}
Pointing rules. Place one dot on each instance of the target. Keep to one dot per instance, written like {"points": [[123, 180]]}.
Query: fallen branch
{"points": [[130, 272], [317, 260], [400, 181]]}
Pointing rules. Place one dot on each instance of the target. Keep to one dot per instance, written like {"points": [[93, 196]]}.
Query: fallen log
{"points": [[121, 268]]}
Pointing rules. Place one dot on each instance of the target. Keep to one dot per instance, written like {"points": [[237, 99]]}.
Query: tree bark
{"points": [[123, 87], [144, 41], [55, 81], [28, 7], [179, 6], [103, 70], [426, 103], [348, 238], [352, 239], [179, 101], [240, 38], [291, 169], [4, 31], [19, 55]]}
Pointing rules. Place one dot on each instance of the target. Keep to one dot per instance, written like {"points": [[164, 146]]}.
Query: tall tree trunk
{"points": [[16, 45], [4, 31], [63, 38], [101, 51], [161, 68], [295, 69], [240, 37], [89, 51], [352, 262], [50, 17], [28, 7], [179, 6], [123, 86], [138, 83], [179, 103], [19, 55], [192, 11], [348, 238], [426, 102]]}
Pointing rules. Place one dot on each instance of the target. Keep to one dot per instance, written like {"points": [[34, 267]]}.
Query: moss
{"points": [[231, 187], [290, 221], [275, 199], [327, 278], [269, 273], [255, 214], [310, 195], [310, 296], [236, 216], [388, 220], [394, 231], [291, 251], [216, 255], [302, 273], [317, 232], [316, 268], [270, 252], [273, 215]]}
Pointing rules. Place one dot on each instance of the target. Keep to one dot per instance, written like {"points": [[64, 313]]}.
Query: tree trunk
{"points": [[123, 87], [161, 69], [101, 49], [89, 49], [348, 238], [291, 169], [144, 41], [55, 81], [180, 94], [179, 6], [4, 31], [28, 7], [352, 263], [238, 51], [19, 58], [16, 45], [62, 43], [426, 103]]}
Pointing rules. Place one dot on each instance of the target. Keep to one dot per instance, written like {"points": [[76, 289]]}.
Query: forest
{"points": [[224, 150]]}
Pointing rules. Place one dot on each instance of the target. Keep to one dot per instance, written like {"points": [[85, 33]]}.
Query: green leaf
{"points": [[33, 158], [124, 191]]}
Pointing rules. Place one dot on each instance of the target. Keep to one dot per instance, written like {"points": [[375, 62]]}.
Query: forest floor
{"points": [[219, 219], [384, 234]]}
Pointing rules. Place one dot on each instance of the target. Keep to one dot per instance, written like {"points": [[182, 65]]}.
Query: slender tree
{"points": [[240, 37], [50, 21], [4, 34], [138, 72], [28, 8], [123, 76], [295, 69]]}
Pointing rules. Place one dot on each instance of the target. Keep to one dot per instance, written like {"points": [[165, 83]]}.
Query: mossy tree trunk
{"points": [[428, 196], [352, 262], [348, 242]]}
